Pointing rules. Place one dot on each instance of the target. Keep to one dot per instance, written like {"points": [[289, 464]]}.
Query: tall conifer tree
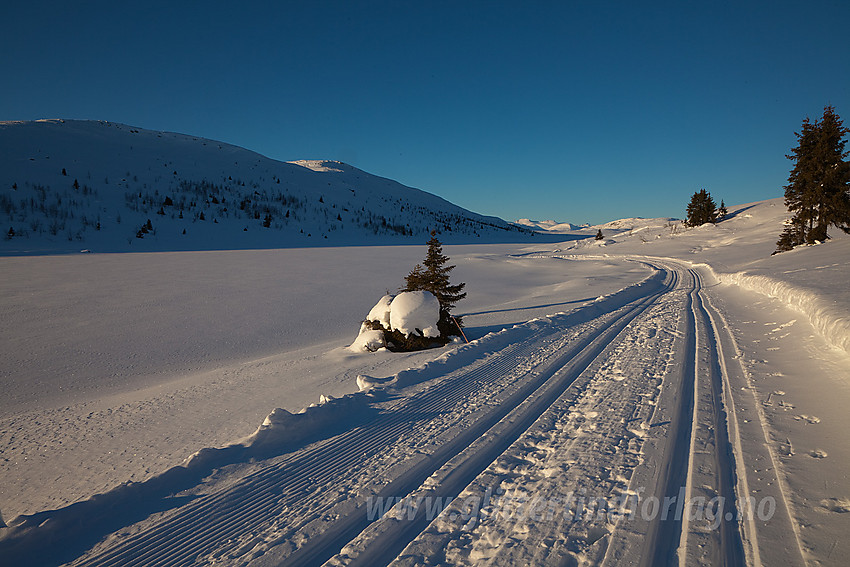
{"points": [[817, 190]]}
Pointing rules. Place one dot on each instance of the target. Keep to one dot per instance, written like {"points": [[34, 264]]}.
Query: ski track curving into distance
{"points": [[703, 461]]}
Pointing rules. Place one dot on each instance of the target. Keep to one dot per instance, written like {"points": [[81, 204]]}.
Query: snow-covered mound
{"points": [[69, 185], [409, 313], [380, 313], [415, 312], [368, 340]]}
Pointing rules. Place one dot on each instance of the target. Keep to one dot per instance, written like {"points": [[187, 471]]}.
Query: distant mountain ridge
{"points": [[67, 185], [550, 225], [617, 226]]}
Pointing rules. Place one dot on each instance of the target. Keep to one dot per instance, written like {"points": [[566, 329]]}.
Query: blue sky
{"points": [[574, 111]]}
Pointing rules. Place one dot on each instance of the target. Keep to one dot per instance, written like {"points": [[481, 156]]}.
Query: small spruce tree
{"points": [[793, 235], [722, 212], [433, 275], [599, 234]]}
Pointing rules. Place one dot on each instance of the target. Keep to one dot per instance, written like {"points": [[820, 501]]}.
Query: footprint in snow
{"points": [[809, 418], [840, 505]]}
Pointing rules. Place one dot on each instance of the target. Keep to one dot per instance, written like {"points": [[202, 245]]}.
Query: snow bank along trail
{"points": [[538, 444], [829, 319]]}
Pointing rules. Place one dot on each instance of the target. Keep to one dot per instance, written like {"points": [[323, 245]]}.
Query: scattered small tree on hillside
{"points": [[817, 190], [722, 212], [701, 209]]}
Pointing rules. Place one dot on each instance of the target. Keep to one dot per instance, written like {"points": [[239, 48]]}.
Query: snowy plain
{"points": [[120, 366], [152, 402]]}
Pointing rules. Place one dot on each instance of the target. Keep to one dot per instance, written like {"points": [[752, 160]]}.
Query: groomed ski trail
{"points": [[729, 505]]}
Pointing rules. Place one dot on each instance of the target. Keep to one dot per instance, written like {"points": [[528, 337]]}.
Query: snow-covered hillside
{"points": [[67, 185]]}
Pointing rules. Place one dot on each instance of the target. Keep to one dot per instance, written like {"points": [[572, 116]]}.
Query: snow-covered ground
{"points": [[659, 363]]}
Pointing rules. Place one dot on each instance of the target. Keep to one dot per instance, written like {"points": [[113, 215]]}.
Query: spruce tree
{"points": [[834, 205], [599, 234], [800, 192], [817, 190], [701, 209], [793, 235], [722, 212], [433, 275]]}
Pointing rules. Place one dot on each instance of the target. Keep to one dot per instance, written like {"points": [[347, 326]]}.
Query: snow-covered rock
{"points": [[413, 311], [381, 311], [368, 340], [410, 313]]}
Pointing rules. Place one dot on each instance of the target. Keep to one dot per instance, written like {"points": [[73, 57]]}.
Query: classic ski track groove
{"points": [[750, 528], [700, 399], [736, 541], [725, 543], [302, 476], [215, 521]]}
